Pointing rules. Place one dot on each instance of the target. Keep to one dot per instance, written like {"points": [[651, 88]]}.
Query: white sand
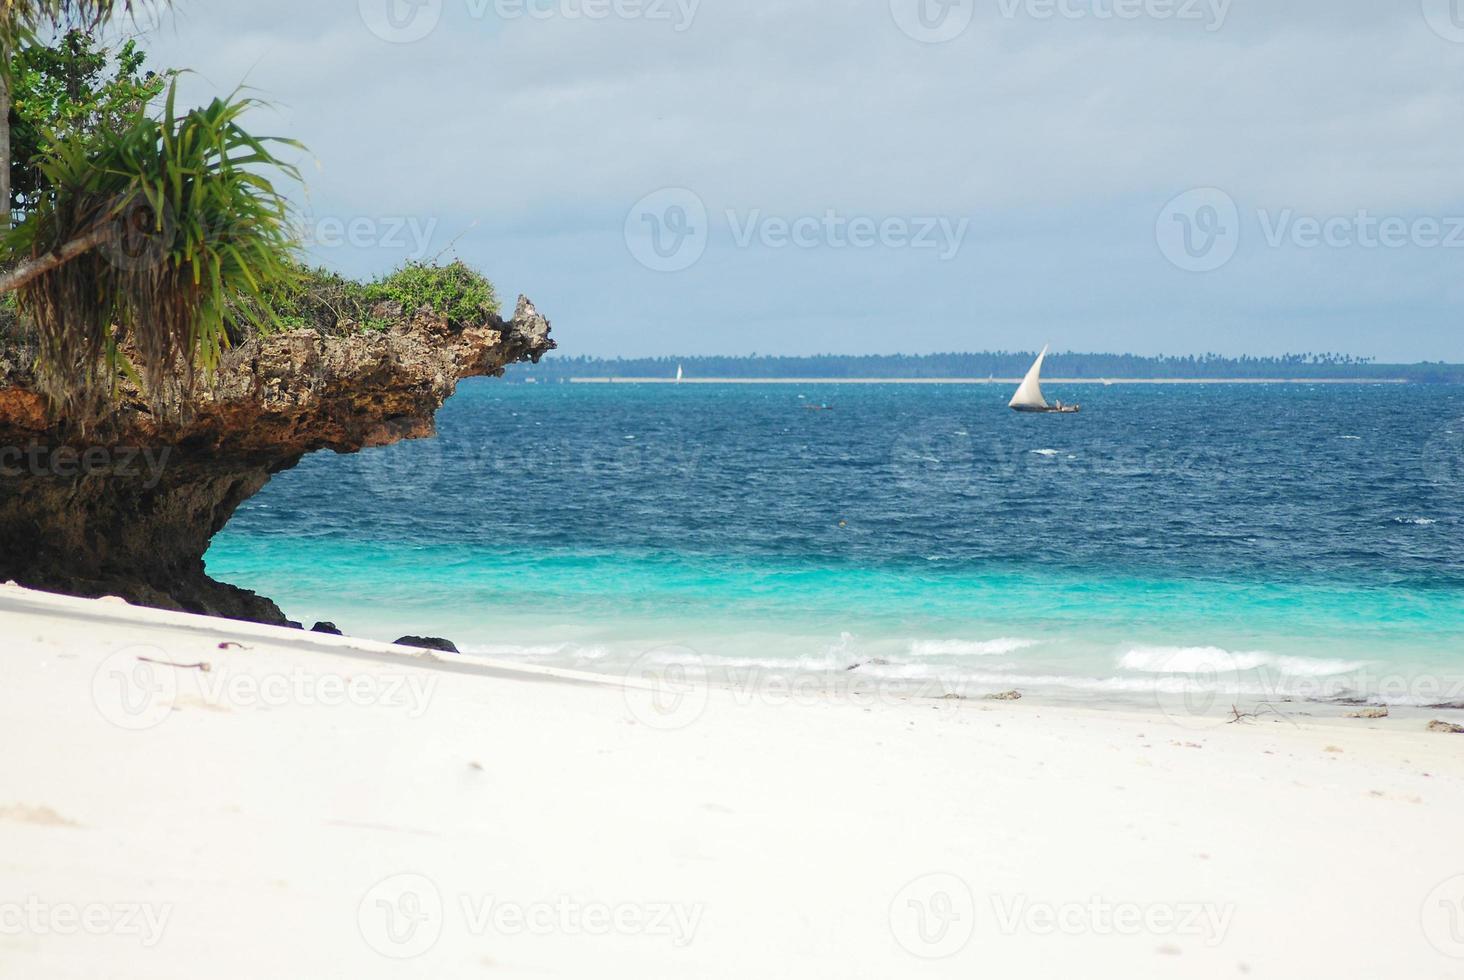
{"points": [[258, 827]]}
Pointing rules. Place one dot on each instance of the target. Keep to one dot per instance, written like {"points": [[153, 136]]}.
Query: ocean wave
{"points": [[1420, 521], [543, 651], [1214, 660], [1046, 452], [969, 648]]}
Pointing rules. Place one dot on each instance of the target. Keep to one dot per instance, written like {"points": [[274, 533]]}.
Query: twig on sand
{"points": [[230, 645], [168, 663], [1238, 716]]}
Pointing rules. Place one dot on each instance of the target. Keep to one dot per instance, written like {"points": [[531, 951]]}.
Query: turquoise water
{"points": [[1272, 541]]}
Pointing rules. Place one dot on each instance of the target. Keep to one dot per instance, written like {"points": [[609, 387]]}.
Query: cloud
{"points": [[1060, 136]]}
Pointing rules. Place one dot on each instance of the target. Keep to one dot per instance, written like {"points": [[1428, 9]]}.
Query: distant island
{"points": [[998, 364]]}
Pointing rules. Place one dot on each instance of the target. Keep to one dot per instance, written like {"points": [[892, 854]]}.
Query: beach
{"points": [[321, 806]]}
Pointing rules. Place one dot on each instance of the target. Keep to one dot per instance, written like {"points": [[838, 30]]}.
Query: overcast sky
{"points": [[805, 176]]}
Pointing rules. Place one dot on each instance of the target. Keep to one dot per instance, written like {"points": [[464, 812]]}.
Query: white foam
{"points": [[1420, 521], [1046, 452], [969, 648], [1214, 660], [516, 651]]}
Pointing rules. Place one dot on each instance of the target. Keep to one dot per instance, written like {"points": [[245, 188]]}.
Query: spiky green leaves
{"points": [[179, 225]]}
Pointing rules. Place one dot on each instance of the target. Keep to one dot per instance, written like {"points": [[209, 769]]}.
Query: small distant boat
{"points": [[678, 372], [1029, 396]]}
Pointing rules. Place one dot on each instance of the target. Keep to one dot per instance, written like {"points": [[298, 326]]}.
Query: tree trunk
{"points": [[13, 279], [5, 150]]}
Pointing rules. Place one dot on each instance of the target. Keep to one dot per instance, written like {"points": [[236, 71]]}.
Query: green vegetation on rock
{"points": [[323, 300]]}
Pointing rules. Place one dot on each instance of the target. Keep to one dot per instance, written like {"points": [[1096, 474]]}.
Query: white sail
{"points": [[1030, 394], [678, 372]]}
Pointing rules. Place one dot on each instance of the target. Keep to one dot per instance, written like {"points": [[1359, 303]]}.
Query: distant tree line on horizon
{"points": [[1000, 364]]}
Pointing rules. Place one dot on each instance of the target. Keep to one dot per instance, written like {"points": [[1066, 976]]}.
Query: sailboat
{"points": [[678, 372], [1029, 396]]}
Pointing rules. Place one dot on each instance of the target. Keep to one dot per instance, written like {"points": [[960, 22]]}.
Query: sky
{"points": [[681, 177]]}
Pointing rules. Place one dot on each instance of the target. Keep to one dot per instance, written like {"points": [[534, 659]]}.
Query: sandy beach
{"points": [[319, 806]]}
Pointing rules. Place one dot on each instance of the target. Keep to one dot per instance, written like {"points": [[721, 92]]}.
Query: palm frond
{"points": [[184, 224]]}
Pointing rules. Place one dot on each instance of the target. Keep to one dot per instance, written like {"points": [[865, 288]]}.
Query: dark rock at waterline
{"points": [[428, 643], [876, 662], [1446, 728], [327, 628], [1005, 696]]}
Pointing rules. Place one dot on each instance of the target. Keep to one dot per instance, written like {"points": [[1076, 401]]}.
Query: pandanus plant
{"points": [[147, 243]]}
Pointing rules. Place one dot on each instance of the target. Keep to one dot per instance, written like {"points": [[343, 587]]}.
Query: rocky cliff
{"points": [[129, 509]]}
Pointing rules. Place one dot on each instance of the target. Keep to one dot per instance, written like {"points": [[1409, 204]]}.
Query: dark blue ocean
{"points": [[1276, 540]]}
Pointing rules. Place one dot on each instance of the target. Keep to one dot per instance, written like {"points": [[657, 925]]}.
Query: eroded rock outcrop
{"points": [[129, 509]]}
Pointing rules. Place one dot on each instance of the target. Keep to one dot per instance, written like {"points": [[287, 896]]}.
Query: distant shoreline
{"points": [[985, 381]]}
